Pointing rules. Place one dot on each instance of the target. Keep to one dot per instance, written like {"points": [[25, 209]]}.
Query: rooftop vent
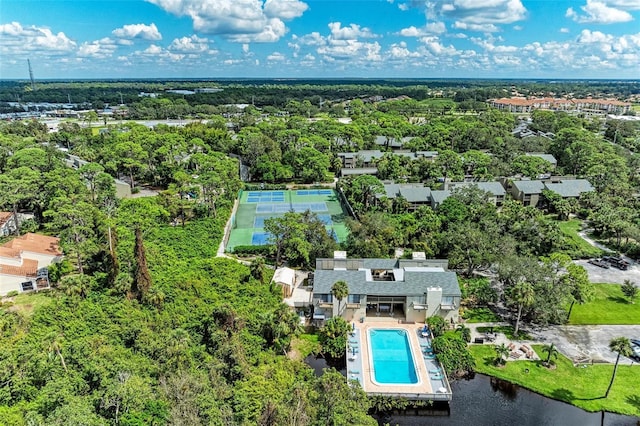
{"points": [[339, 254], [419, 255]]}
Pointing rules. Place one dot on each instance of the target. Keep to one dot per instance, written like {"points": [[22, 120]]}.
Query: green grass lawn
{"points": [[575, 246], [609, 307], [305, 345], [26, 303], [475, 315], [507, 330], [582, 387]]}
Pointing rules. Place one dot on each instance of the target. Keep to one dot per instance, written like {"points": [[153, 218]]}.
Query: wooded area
{"points": [[147, 326]]}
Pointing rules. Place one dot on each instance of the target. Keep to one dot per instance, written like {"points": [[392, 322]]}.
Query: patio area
{"points": [[432, 381]]}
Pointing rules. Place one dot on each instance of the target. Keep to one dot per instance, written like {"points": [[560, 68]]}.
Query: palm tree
{"points": [[155, 297], [502, 352], [524, 295], [465, 332], [551, 352], [577, 280], [340, 290], [630, 290], [76, 285], [258, 269], [55, 346], [622, 346]]}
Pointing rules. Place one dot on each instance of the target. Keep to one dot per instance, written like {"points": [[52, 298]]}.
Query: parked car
{"points": [[636, 352], [599, 262], [635, 342]]}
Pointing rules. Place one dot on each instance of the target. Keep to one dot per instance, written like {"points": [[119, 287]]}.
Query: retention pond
{"points": [[488, 401]]}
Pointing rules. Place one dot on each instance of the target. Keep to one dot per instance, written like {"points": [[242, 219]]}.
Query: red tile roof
{"points": [[9, 252], [29, 268], [36, 243], [4, 217], [519, 101]]}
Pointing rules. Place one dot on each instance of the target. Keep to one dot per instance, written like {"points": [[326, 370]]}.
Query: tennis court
{"points": [[265, 196], [259, 220], [259, 238], [296, 207], [256, 206], [314, 192]]}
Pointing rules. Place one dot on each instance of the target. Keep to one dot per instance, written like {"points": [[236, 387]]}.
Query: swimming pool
{"points": [[391, 356]]}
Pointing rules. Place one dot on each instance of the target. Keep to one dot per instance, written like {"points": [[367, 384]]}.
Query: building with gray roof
{"points": [[416, 194], [494, 189], [570, 188], [548, 157], [438, 197], [406, 289], [529, 192], [391, 142]]}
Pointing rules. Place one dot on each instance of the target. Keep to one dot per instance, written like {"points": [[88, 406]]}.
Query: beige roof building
{"points": [[24, 261]]}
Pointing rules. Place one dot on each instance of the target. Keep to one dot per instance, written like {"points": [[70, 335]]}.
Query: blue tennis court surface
{"points": [[260, 238], [296, 207], [265, 196], [259, 220], [314, 192]]}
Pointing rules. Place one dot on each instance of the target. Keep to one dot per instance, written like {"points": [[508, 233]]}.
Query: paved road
{"points": [[611, 275]]}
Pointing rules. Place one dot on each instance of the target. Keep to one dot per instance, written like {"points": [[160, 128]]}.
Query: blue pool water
{"points": [[392, 359]]}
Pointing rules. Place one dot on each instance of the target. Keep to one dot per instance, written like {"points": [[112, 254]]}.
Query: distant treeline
{"points": [[278, 92]]}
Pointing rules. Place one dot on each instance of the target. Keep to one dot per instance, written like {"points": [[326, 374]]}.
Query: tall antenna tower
{"points": [[33, 81]]}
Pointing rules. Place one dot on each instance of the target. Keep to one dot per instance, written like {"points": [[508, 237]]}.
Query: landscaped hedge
{"points": [[264, 186], [253, 250]]}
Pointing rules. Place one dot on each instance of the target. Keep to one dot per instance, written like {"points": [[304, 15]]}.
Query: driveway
{"points": [[586, 343], [611, 275]]}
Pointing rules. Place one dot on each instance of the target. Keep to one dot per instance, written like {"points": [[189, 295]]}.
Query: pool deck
{"points": [[431, 385]]}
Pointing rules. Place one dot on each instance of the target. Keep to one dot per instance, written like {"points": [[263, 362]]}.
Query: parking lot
{"points": [[587, 343], [611, 275]]}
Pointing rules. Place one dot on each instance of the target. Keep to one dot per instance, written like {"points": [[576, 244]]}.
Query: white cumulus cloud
{"points": [[241, 21], [430, 28], [193, 44], [484, 28], [599, 12], [353, 31], [142, 31], [479, 12], [18, 40], [276, 57], [102, 48]]}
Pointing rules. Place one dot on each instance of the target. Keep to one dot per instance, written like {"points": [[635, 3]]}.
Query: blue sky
{"points": [[320, 38]]}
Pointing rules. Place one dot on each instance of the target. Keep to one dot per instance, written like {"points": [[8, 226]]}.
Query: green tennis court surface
{"points": [[256, 206]]}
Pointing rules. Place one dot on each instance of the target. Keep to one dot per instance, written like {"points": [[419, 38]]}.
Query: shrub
{"points": [[264, 186], [333, 337], [12, 293], [436, 325], [265, 250], [453, 354], [478, 291]]}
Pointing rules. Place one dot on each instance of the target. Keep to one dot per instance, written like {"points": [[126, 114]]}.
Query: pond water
{"points": [[483, 400]]}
